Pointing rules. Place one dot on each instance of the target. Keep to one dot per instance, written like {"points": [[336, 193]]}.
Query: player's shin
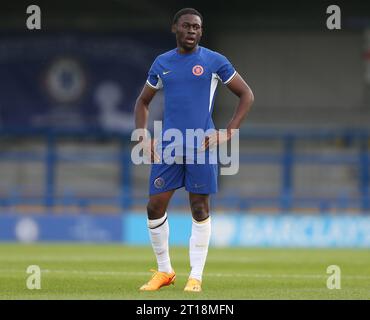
{"points": [[159, 234], [198, 247]]}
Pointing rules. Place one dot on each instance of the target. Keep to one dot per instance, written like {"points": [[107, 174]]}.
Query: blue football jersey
{"points": [[189, 82]]}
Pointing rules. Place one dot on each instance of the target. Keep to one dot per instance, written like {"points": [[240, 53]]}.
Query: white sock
{"points": [[159, 234], [198, 246]]}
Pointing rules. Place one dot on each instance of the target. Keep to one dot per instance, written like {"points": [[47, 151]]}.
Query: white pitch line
{"points": [[121, 258], [210, 274], [94, 258]]}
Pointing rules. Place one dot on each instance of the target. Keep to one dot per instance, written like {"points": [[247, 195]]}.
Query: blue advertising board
{"points": [[291, 230], [79, 228], [246, 230], [135, 229], [256, 230]]}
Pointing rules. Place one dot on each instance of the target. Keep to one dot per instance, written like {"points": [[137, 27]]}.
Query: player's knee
{"points": [[199, 211], [155, 210]]}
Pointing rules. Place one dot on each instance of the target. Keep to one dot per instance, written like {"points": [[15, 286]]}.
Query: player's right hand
{"points": [[149, 149]]}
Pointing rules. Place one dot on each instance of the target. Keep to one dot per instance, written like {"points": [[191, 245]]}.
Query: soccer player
{"points": [[188, 75]]}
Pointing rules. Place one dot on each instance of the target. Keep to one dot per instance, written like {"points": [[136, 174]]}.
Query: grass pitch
{"points": [[71, 271]]}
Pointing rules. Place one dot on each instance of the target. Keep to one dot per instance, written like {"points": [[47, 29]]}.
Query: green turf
{"points": [[116, 272]]}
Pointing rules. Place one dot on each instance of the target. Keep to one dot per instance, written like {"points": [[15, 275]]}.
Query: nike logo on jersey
{"points": [[165, 72]]}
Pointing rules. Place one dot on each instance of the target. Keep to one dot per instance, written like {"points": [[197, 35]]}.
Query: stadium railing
{"points": [[126, 200]]}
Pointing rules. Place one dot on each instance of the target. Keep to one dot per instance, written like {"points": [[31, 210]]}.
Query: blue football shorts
{"points": [[200, 178]]}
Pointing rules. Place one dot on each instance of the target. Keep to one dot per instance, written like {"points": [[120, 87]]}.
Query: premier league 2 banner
{"points": [[74, 81]]}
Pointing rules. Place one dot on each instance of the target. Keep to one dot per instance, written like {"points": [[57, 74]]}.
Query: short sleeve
{"points": [[224, 69], [154, 81]]}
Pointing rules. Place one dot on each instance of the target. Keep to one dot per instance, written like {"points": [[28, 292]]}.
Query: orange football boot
{"points": [[193, 285], [158, 280]]}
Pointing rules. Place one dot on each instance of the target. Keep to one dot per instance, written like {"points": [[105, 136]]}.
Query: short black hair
{"points": [[186, 11]]}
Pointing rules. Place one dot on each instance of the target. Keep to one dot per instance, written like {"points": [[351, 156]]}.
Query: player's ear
{"points": [[173, 28]]}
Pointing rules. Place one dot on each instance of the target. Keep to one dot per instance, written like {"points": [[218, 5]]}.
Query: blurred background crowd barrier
{"points": [[67, 94]]}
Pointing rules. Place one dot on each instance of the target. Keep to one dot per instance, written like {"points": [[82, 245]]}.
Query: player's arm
{"points": [[142, 106], [141, 118], [241, 89]]}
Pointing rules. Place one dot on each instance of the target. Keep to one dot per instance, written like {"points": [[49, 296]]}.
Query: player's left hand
{"points": [[216, 138]]}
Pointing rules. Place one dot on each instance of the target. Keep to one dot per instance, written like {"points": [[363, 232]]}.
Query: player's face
{"points": [[188, 30]]}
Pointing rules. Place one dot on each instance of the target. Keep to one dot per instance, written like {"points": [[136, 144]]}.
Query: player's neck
{"points": [[182, 50]]}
